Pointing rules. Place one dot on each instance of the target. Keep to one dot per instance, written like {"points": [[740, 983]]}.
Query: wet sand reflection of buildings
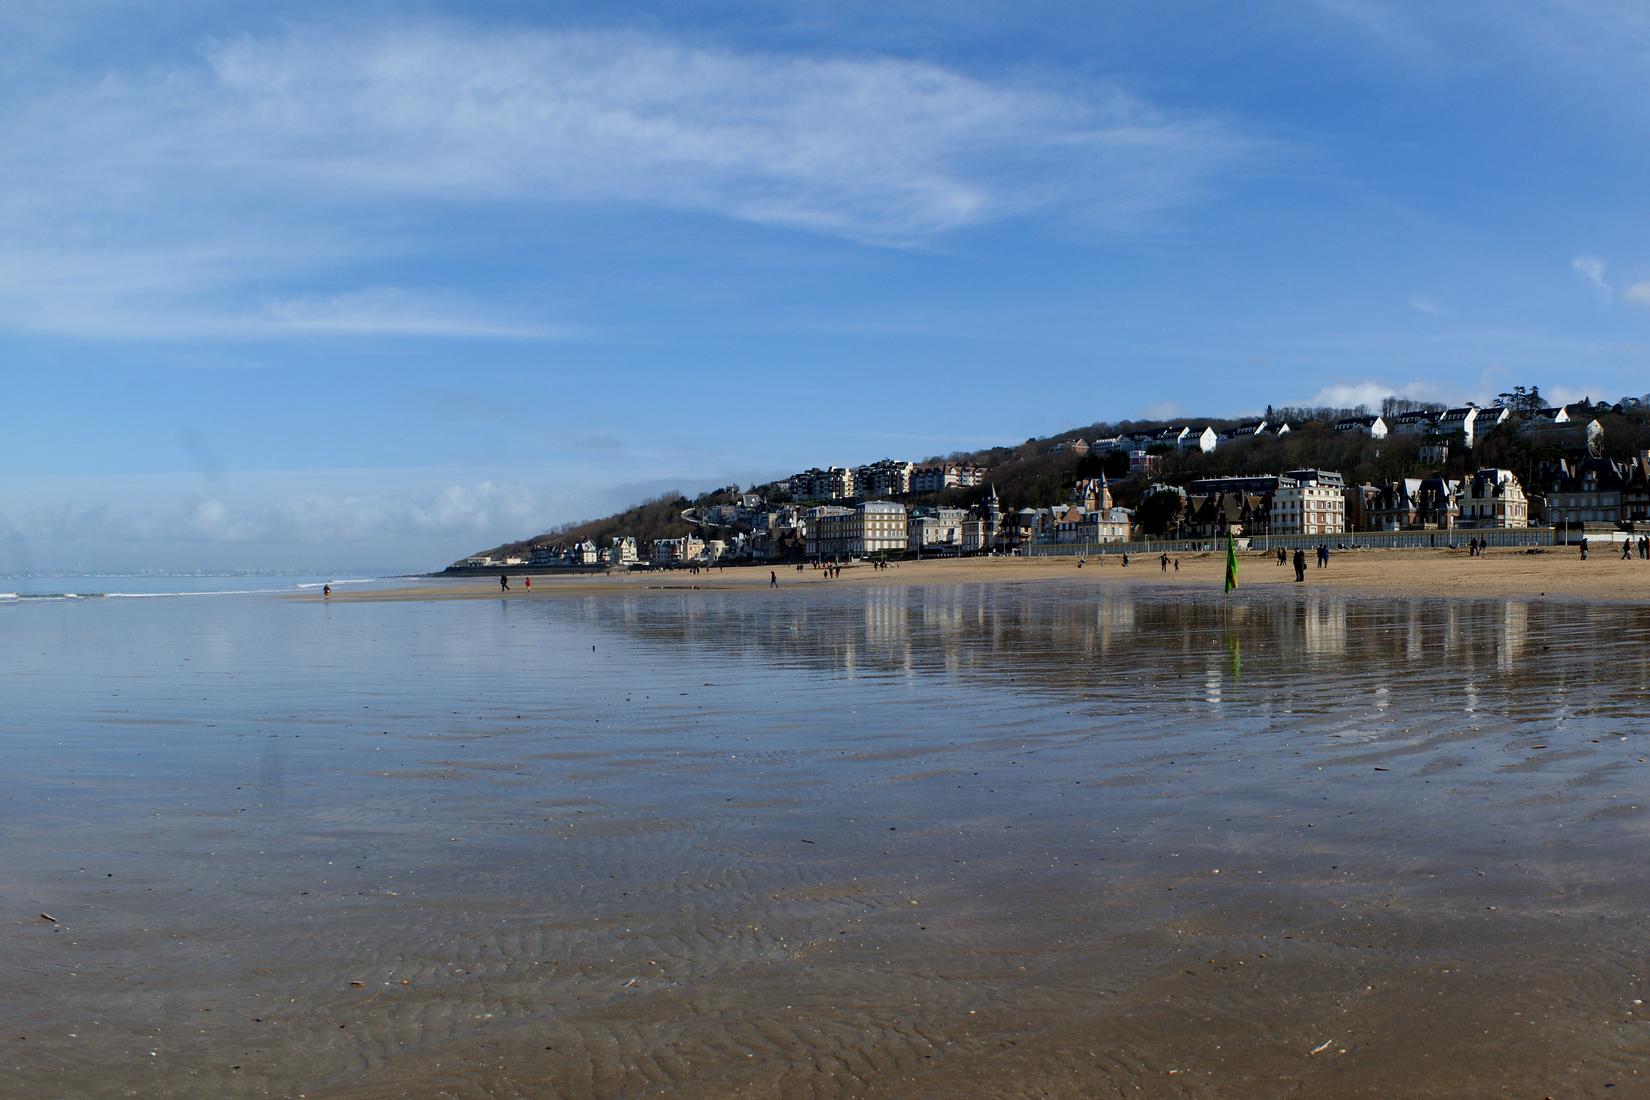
{"points": [[1381, 655]]}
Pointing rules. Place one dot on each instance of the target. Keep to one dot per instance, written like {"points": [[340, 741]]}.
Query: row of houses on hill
{"points": [[1319, 503], [1176, 437], [1564, 425], [887, 478]]}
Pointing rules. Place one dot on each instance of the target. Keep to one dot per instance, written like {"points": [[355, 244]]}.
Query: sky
{"points": [[321, 286]]}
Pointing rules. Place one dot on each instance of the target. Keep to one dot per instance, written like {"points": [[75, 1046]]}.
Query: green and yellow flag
{"points": [[1231, 561]]}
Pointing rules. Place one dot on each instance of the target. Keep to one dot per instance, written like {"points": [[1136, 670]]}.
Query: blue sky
{"points": [[284, 287]]}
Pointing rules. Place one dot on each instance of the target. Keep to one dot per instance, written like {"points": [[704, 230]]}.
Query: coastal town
{"points": [[1119, 493]]}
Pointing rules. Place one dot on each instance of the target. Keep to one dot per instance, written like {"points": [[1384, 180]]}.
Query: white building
{"points": [[1413, 423], [944, 529], [885, 478], [946, 475], [1493, 498], [677, 551], [1244, 432], [831, 483], [1204, 441], [621, 552], [873, 527], [1372, 426], [1458, 423], [1309, 507]]}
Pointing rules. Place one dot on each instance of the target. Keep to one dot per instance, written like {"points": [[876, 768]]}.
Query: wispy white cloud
{"points": [[191, 199], [398, 312], [1425, 305], [1592, 269], [1638, 294], [1371, 392]]}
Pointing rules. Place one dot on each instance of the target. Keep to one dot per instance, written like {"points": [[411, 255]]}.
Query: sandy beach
{"points": [[1067, 838], [1556, 572]]}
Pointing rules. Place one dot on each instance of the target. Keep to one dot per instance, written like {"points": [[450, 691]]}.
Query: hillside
{"points": [[1034, 474]]}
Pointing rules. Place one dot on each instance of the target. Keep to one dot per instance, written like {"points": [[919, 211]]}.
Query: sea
{"points": [[29, 587], [1051, 838]]}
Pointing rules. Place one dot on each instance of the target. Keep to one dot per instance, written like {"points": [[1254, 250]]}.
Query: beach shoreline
{"points": [[1552, 573]]}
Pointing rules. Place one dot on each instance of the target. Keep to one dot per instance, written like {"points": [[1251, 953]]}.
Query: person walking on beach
{"points": [[1163, 561], [1583, 547], [1283, 556], [1300, 566], [503, 582], [326, 590], [773, 579], [527, 583]]}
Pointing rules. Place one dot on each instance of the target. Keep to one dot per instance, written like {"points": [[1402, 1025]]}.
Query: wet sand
{"points": [[1556, 572], [908, 840]]}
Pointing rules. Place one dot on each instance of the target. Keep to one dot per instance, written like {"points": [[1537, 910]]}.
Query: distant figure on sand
{"points": [[1584, 548], [527, 583], [326, 590], [1300, 566], [1163, 561], [503, 582], [773, 579], [1125, 561], [1283, 556]]}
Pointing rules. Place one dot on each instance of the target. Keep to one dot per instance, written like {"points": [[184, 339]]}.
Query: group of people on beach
{"points": [[1299, 560]]}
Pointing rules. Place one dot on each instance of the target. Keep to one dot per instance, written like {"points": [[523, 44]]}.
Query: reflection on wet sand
{"points": [[984, 840]]}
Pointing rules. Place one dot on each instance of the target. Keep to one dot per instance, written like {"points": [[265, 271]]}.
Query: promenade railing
{"points": [[1366, 540]]}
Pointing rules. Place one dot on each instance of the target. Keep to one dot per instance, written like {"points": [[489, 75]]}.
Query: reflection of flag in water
{"points": [[1231, 562]]}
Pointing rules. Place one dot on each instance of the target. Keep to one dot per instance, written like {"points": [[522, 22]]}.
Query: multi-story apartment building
{"points": [[887, 478], [952, 530], [1494, 499], [1372, 426], [676, 551], [1309, 507], [823, 530], [1416, 504], [946, 475], [1413, 423], [1583, 491], [831, 483], [621, 552], [1074, 524], [873, 527]]}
